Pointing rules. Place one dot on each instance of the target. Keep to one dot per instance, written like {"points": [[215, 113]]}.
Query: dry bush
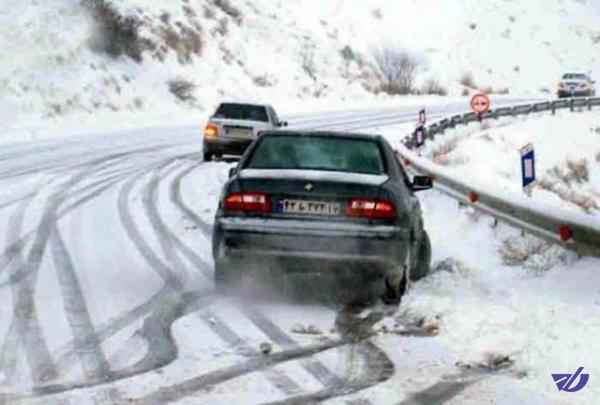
{"points": [[516, 251], [532, 253], [561, 180], [116, 35], [398, 69], [226, 7], [182, 89], [441, 152], [186, 42], [432, 86], [467, 80], [262, 81]]}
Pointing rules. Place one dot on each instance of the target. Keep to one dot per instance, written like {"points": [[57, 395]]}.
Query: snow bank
{"points": [[567, 148]]}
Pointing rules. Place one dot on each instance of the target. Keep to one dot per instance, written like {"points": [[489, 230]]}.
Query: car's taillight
{"points": [[247, 202], [583, 85], [371, 208], [211, 131], [561, 85]]}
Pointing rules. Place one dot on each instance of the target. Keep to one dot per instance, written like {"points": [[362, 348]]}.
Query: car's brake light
{"points": [[247, 202], [583, 85], [211, 131], [561, 85], [370, 208]]}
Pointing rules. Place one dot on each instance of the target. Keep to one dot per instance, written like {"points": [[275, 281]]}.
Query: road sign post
{"points": [[527, 168], [480, 104]]}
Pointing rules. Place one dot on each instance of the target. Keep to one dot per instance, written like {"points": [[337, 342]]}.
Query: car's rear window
{"points": [[574, 76], [318, 153], [242, 112]]}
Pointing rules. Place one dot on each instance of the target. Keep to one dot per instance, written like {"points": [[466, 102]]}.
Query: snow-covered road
{"points": [[107, 294]]}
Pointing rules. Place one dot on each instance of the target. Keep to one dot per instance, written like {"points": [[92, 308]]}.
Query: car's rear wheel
{"points": [[423, 264], [395, 287], [207, 156]]}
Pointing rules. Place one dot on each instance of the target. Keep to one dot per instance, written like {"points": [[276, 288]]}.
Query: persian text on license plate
{"points": [[290, 206]]}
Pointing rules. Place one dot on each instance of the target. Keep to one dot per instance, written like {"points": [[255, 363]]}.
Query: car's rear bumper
{"points": [[226, 146], [567, 93], [312, 246]]}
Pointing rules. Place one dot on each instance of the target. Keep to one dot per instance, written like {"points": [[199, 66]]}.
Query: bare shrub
{"points": [[432, 86], [116, 35], [182, 89], [467, 80], [398, 69], [443, 150], [532, 253], [226, 7], [464, 92], [262, 81]]}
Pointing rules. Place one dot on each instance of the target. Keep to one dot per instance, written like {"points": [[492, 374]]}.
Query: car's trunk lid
{"points": [[310, 193]]}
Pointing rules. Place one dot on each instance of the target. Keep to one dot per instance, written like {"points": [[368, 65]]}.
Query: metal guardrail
{"points": [[573, 230]]}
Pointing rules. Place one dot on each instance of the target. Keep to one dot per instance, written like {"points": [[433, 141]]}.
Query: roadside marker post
{"points": [[527, 168], [419, 132]]}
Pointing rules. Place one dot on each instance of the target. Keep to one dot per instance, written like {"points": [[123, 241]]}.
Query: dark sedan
{"points": [[322, 205]]}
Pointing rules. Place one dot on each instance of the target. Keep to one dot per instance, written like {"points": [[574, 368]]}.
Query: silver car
{"points": [[576, 85], [233, 126]]}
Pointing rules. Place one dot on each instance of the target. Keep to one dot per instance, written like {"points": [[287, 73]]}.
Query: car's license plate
{"points": [[238, 132], [291, 206]]}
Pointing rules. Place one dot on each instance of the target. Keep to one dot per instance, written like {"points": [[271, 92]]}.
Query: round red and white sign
{"points": [[480, 103]]}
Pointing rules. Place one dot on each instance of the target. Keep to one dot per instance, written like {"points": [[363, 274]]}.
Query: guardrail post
{"points": [[572, 104], [589, 103], [553, 107]]}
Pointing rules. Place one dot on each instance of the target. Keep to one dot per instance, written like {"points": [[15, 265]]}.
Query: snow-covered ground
{"points": [[107, 271], [59, 74], [567, 149]]}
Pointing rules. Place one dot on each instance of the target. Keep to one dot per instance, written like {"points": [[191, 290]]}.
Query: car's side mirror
{"points": [[421, 183], [232, 172]]}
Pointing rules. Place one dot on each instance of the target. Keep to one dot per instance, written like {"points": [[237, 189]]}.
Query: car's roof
{"points": [[244, 103], [332, 134]]}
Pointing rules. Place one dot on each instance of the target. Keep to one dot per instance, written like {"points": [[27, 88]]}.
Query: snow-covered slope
{"points": [[55, 65]]}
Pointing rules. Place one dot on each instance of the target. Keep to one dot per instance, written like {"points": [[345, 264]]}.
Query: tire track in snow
{"points": [[24, 329], [278, 378], [167, 306], [87, 344], [279, 337], [171, 242], [189, 386], [375, 375], [25, 323], [177, 198]]}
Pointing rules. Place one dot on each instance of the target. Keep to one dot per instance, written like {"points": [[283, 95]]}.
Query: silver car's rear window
{"points": [[242, 112], [318, 153], [574, 76]]}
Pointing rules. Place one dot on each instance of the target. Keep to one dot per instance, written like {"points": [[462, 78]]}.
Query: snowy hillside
{"points": [[93, 59]]}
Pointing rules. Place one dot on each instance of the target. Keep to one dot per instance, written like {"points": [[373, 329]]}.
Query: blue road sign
{"points": [[527, 165]]}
